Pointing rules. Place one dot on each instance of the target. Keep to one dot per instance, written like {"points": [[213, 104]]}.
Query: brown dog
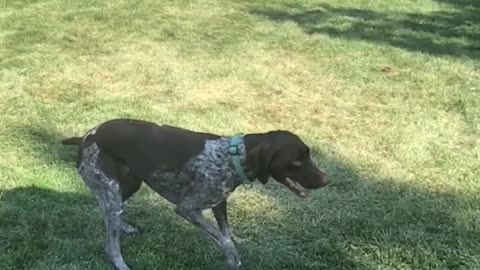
{"points": [[195, 171]]}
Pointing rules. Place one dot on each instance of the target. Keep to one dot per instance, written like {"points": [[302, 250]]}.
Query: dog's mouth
{"points": [[296, 188]]}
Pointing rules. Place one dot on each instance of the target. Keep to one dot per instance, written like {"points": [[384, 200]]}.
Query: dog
{"points": [[195, 171]]}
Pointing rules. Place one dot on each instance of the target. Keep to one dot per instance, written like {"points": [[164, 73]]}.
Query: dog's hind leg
{"points": [[129, 185], [111, 204], [107, 192]]}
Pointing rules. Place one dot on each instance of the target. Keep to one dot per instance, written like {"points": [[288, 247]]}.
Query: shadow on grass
{"points": [[44, 143], [461, 3], [394, 223], [43, 228], [358, 222], [455, 32]]}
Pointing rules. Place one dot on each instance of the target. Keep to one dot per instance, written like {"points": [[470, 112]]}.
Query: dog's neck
{"points": [[252, 141]]}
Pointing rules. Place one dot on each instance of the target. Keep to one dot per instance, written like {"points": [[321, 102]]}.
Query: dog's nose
{"points": [[324, 181], [323, 178], [319, 182]]}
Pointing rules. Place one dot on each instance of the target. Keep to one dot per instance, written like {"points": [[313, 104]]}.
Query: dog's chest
{"points": [[205, 181]]}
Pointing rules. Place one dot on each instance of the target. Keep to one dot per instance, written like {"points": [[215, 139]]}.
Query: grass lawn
{"points": [[387, 93]]}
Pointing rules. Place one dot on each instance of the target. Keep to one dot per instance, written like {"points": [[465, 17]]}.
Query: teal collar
{"points": [[234, 151]]}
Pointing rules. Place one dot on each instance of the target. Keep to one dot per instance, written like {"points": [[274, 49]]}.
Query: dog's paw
{"points": [[238, 240], [129, 229], [233, 262], [233, 265]]}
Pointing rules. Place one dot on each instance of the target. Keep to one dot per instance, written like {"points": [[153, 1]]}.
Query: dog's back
{"points": [[144, 146]]}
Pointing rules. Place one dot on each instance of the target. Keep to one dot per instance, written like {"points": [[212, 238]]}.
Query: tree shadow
{"points": [[53, 221], [357, 216], [462, 3], [453, 32], [44, 228], [409, 224]]}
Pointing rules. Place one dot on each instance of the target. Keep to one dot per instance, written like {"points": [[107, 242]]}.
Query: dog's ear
{"points": [[259, 160]]}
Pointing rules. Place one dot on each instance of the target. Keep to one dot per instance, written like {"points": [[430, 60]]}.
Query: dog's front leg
{"points": [[220, 212], [224, 241]]}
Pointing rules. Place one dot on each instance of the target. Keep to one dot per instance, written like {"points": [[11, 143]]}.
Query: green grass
{"points": [[386, 93]]}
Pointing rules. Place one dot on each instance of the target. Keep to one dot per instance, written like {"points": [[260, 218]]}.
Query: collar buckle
{"points": [[234, 150]]}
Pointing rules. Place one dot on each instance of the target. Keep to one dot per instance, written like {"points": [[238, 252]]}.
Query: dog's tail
{"points": [[72, 141]]}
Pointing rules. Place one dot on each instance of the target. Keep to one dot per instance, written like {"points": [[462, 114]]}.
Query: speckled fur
{"points": [[107, 193], [206, 181], [215, 177]]}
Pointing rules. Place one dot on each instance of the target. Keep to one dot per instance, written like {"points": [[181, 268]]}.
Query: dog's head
{"points": [[283, 156]]}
